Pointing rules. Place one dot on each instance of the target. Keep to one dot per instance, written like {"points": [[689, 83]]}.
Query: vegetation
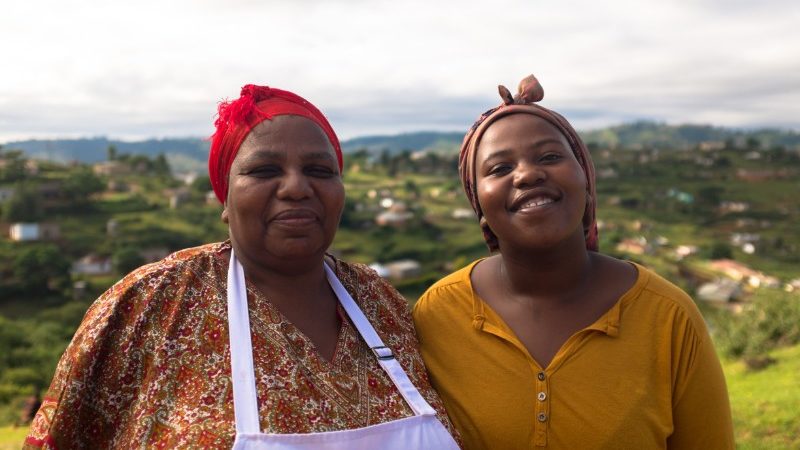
{"points": [[711, 197]]}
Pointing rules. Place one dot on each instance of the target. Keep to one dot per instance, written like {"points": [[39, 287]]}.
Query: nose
{"points": [[294, 186], [528, 174]]}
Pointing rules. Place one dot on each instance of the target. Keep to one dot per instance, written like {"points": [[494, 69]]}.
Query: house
{"points": [[6, 193], [396, 216], [34, 231], [111, 168], [381, 270], [462, 213], [177, 197], [682, 251], [733, 207], [211, 198], [402, 269], [636, 246], [92, 264], [723, 290], [740, 272], [153, 254], [709, 146]]}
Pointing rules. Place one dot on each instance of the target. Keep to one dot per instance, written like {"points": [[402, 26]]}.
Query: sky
{"points": [[141, 69]]}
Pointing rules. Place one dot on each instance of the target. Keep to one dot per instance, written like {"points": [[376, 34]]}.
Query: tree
{"points": [[41, 269], [80, 185], [25, 205], [161, 165], [201, 184], [126, 259], [111, 153], [14, 167]]}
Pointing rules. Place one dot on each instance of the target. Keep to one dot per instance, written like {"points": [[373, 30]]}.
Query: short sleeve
{"points": [[701, 408]]}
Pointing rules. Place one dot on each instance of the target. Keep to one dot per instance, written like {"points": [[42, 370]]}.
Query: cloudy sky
{"points": [[158, 68]]}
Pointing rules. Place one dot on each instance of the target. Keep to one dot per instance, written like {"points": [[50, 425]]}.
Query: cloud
{"points": [[154, 68]]}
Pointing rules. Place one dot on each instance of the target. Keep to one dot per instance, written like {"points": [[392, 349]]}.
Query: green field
{"points": [[11, 438], [766, 404]]}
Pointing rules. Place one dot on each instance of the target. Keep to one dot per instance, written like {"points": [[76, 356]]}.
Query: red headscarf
{"points": [[529, 92], [236, 118]]}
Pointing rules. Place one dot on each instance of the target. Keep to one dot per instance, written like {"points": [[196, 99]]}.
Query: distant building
{"points": [[462, 213], [637, 246], [6, 193], [111, 168], [92, 264], [402, 269], [733, 207], [34, 231], [380, 269], [740, 272], [153, 254], [177, 197], [396, 216], [682, 251], [723, 290]]}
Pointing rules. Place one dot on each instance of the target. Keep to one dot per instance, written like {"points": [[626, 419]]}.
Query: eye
{"points": [[320, 171], [267, 171], [551, 157], [499, 169]]}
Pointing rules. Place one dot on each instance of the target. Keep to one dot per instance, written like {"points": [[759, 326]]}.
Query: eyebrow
{"points": [[259, 155], [505, 151]]}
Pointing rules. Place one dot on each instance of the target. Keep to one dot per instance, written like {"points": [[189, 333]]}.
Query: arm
{"points": [[700, 406]]}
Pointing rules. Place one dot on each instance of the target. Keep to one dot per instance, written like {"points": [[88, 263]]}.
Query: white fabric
{"points": [[422, 431]]}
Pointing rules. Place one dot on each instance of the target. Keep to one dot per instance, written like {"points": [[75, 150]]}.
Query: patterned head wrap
{"points": [[529, 92], [236, 118]]}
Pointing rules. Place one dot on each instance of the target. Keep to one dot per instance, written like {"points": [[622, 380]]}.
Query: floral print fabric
{"points": [[150, 364]]}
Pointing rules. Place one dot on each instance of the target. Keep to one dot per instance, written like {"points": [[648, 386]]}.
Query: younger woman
{"points": [[549, 343]]}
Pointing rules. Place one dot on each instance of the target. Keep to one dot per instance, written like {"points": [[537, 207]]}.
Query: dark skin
{"points": [[544, 283], [285, 198]]}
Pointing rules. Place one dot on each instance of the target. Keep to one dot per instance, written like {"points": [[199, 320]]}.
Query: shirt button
{"points": [[542, 417], [540, 376], [542, 396]]}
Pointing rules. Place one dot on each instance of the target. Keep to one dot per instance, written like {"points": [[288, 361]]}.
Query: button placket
{"points": [[541, 416]]}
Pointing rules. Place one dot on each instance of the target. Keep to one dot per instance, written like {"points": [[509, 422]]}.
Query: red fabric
{"points": [[236, 118]]}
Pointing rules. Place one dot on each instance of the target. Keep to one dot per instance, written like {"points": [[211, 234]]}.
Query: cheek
{"points": [[488, 194]]}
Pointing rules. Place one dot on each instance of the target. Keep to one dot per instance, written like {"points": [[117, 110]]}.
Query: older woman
{"points": [[549, 343], [262, 341]]}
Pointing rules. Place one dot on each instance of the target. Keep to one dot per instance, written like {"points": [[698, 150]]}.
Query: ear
{"points": [[224, 214]]}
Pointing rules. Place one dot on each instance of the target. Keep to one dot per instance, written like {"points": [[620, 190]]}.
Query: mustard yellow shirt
{"points": [[643, 376]]}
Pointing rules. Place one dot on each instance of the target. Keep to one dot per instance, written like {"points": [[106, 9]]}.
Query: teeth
{"points": [[536, 202]]}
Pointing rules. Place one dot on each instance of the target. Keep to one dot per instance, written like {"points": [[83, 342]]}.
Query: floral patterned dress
{"points": [[149, 366]]}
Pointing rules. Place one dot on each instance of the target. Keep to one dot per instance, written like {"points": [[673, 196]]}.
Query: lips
{"points": [[534, 199], [295, 217]]}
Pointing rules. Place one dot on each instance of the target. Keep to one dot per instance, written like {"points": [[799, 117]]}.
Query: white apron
{"points": [[420, 431]]}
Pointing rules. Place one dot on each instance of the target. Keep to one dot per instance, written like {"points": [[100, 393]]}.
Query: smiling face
{"points": [[285, 194], [530, 187]]}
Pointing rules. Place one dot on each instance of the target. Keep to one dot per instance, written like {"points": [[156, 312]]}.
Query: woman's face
{"points": [[531, 189], [285, 194]]}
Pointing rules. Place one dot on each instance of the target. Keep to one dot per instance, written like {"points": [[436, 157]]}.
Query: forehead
{"points": [[519, 129], [286, 134]]}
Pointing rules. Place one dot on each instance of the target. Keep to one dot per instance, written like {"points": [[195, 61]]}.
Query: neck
{"points": [[287, 282], [546, 275]]}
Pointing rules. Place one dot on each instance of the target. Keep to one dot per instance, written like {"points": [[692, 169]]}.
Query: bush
{"points": [[771, 320]]}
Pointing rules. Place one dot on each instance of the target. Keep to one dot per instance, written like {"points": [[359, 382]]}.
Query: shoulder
{"points": [[369, 289], [667, 300], [148, 289], [452, 291]]}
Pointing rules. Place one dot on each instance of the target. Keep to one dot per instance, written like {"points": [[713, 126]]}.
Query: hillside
{"points": [[189, 154]]}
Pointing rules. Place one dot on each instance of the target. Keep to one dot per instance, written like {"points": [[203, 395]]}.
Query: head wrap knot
{"points": [[529, 92], [237, 117]]}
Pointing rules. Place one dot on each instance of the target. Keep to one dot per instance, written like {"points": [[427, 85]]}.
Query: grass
{"points": [[11, 438], [766, 404]]}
